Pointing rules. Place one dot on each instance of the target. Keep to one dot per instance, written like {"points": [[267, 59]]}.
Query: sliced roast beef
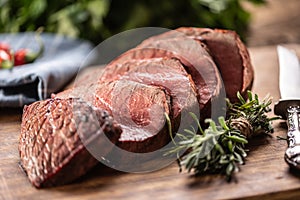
{"points": [[163, 72], [198, 63], [165, 75], [140, 111], [228, 52], [51, 144], [230, 55]]}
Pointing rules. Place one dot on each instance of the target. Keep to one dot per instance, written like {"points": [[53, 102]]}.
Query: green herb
{"points": [[96, 20], [220, 148]]}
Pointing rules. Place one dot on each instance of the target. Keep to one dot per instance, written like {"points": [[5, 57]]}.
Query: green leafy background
{"points": [[96, 20]]}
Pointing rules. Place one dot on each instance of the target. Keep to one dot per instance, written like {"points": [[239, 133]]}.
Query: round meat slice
{"points": [[140, 111], [55, 135], [163, 72], [192, 54], [228, 52]]}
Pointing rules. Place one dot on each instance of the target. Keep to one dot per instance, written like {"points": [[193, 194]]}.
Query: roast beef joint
{"points": [[176, 72]]}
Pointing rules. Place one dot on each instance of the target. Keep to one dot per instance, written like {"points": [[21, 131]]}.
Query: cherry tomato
{"points": [[20, 57], [6, 61], [4, 46]]}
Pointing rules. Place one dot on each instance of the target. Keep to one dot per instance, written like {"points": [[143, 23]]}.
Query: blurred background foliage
{"points": [[96, 20]]}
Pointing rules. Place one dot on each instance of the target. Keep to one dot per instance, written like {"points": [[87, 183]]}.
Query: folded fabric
{"points": [[60, 62]]}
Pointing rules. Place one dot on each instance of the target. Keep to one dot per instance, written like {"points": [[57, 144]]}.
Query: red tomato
{"points": [[4, 46], [4, 55], [20, 57], [5, 59]]}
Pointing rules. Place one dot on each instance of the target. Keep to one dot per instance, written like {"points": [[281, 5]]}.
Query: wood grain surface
{"points": [[275, 22], [264, 176]]}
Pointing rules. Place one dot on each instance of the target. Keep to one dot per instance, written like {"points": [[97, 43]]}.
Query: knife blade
{"points": [[288, 107]]}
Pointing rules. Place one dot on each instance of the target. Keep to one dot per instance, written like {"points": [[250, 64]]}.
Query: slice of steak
{"points": [[228, 51], [198, 63], [163, 72], [140, 110], [51, 144], [231, 56]]}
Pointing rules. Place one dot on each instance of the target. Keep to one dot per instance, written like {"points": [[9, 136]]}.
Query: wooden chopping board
{"points": [[264, 176]]}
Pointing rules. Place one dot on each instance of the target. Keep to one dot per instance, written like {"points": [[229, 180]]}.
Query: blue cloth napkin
{"points": [[62, 59]]}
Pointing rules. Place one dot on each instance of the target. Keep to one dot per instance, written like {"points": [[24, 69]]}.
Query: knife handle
{"points": [[292, 154], [293, 116]]}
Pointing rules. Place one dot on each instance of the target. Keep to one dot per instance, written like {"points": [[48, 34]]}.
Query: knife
{"points": [[288, 107]]}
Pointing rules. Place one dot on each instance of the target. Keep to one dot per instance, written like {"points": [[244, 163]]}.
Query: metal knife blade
{"points": [[288, 106], [289, 74]]}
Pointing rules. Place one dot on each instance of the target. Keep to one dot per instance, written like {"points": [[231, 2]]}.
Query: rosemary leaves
{"points": [[220, 148]]}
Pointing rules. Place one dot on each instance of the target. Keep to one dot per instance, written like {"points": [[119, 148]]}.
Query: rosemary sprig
{"points": [[221, 148]]}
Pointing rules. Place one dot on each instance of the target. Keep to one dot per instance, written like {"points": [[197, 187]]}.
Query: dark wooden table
{"points": [[264, 176]]}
